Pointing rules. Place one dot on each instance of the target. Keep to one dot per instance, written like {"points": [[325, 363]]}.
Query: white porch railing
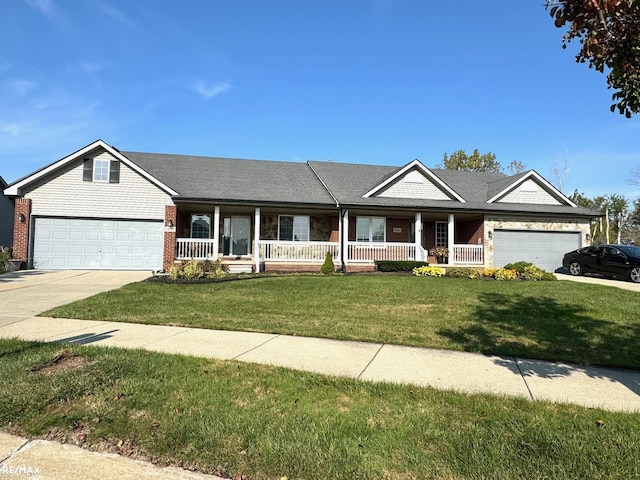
{"points": [[370, 252], [194, 249], [274, 250], [468, 255]]}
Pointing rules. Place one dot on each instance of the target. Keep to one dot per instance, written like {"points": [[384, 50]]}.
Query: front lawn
{"points": [[259, 422], [563, 320]]}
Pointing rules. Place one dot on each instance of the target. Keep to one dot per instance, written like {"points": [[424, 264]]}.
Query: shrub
{"points": [[398, 265], [506, 274], [489, 272], [214, 269], [518, 266], [532, 273], [463, 272], [5, 256], [192, 269], [175, 272], [328, 268], [427, 271], [548, 277]]}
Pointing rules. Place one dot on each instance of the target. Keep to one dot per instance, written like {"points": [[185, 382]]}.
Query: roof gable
{"points": [[414, 180], [529, 188], [15, 188]]}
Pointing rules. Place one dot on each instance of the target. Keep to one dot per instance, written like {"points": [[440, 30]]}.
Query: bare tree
{"points": [[560, 174]]}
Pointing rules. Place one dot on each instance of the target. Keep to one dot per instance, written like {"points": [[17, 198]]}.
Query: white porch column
{"points": [[344, 237], [450, 237], [256, 239], [216, 232], [418, 236]]}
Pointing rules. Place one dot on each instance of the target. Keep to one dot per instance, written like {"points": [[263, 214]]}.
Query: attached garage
{"points": [[97, 244], [542, 248]]}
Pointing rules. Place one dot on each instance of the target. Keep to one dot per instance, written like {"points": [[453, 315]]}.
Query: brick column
{"points": [[21, 223], [170, 218]]}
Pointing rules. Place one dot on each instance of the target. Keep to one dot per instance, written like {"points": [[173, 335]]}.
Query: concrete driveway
{"points": [[594, 279], [26, 293]]}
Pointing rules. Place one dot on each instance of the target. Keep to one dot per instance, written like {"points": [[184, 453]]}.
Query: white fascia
{"points": [[15, 189]]}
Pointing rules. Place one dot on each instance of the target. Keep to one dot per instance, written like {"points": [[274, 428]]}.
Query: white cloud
{"points": [[119, 16], [19, 87], [210, 91], [47, 7]]}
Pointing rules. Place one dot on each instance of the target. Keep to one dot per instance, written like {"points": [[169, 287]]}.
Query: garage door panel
{"points": [[544, 249], [61, 243]]}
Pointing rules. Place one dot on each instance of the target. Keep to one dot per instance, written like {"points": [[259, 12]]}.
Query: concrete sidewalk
{"points": [[611, 389], [24, 294]]}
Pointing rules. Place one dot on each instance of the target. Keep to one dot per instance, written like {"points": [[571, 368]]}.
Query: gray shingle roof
{"points": [[263, 181], [227, 179]]}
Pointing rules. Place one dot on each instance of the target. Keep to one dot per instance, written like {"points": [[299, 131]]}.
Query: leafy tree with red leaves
{"points": [[609, 34]]}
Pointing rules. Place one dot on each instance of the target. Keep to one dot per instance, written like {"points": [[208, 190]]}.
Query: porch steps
{"points": [[239, 266]]}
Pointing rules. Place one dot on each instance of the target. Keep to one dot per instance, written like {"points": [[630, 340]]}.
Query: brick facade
{"points": [[170, 215], [398, 230], [21, 229]]}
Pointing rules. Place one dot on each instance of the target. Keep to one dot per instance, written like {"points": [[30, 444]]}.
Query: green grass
{"points": [[563, 321], [265, 422]]}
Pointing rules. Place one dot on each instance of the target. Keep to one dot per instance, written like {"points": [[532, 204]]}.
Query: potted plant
{"points": [[441, 254]]}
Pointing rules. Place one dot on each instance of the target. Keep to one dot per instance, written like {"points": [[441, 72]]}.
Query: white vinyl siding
{"points": [[530, 192], [67, 194], [414, 185]]}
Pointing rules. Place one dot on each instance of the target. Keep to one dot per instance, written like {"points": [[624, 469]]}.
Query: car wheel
{"points": [[634, 274], [575, 268]]}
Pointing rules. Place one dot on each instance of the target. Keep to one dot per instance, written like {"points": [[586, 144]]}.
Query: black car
{"points": [[622, 261]]}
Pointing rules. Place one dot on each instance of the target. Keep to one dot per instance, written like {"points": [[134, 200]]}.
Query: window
{"points": [[200, 226], [442, 234], [370, 229], [293, 228], [100, 170]]}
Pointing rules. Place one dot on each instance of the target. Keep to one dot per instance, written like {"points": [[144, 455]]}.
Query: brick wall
{"points": [[470, 232], [21, 229], [170, 213], [334, 225], [402, 227]]}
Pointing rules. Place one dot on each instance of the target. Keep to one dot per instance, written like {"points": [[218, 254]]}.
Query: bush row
{"points": [[513, 271], [398, 265], [194, 269]]}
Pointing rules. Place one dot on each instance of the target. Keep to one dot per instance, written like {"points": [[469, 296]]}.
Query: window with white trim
{"points": [[101, 170], [293, 228], [370, 229], [442, 234], [200, 226]]}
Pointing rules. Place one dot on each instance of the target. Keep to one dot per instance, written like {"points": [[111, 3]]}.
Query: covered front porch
{"points": [[270, 239]]}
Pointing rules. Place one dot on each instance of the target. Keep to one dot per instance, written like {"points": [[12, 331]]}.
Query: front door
{"points": [[239, 236]]}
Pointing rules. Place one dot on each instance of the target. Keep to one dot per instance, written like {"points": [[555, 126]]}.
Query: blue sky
{"points": [[362, 81]]}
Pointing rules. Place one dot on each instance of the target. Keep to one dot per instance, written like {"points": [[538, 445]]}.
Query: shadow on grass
{"points": [[543, 328]]}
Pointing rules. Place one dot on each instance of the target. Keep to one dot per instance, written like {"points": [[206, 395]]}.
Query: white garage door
{"points": [[81, 244], [544, 249]]}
